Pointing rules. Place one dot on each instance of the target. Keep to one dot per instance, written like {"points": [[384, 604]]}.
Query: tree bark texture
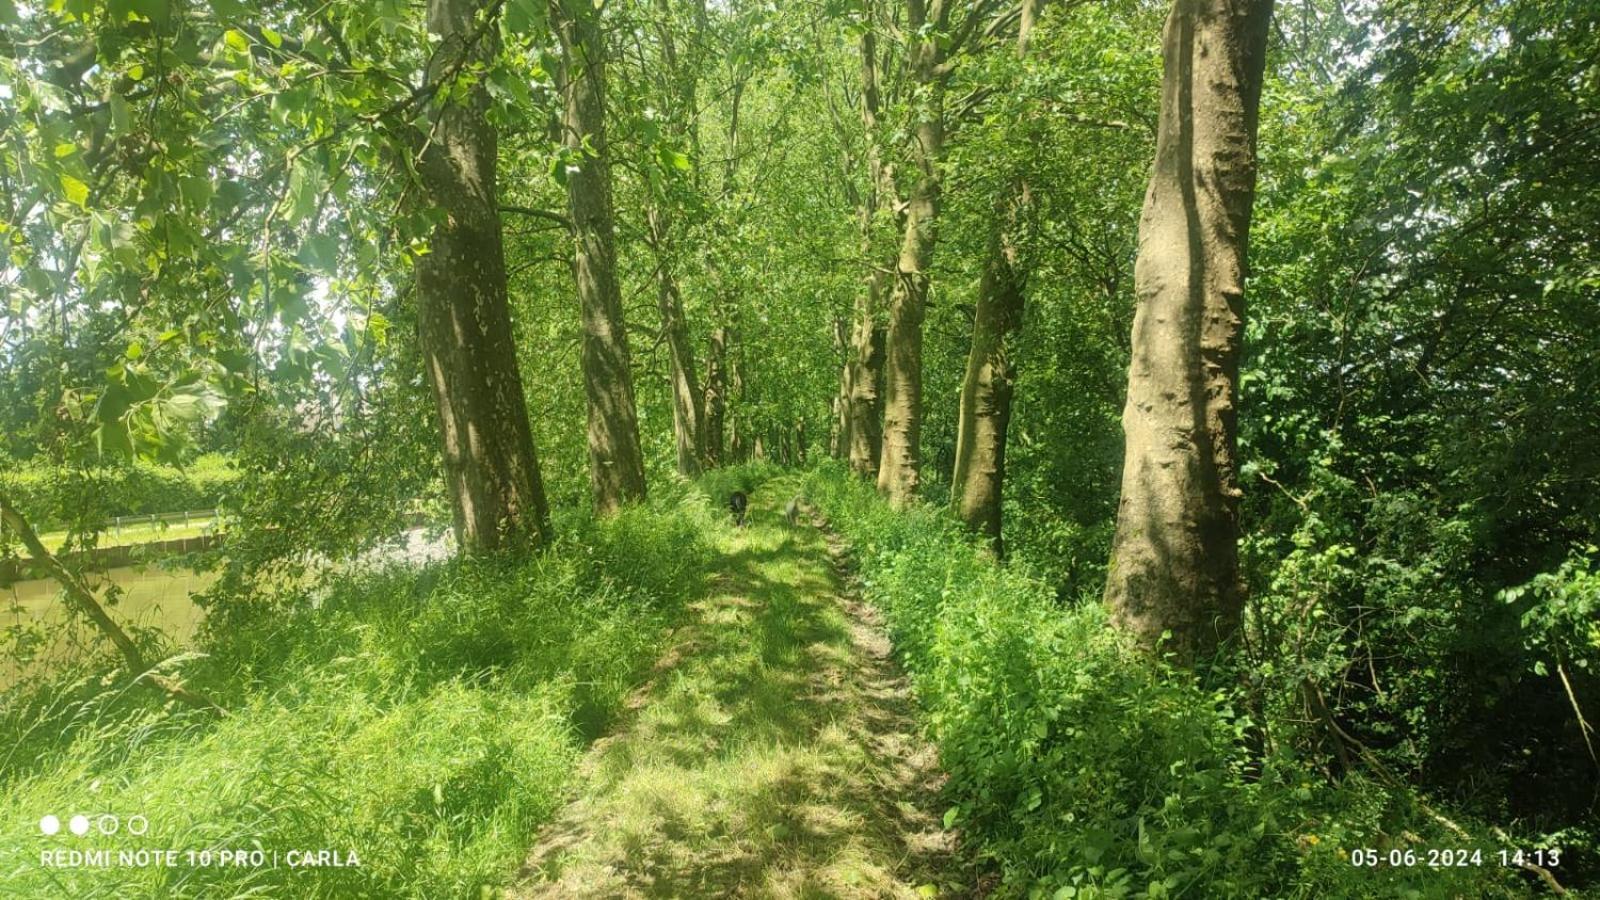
{"points": [[1174, 563], [898, 474], [688, 404], [616, 464], [688, 412], [463, 314], [716, 404], [868, 336], [977, 484], [839, 426], [978, 481], [866, 387]]}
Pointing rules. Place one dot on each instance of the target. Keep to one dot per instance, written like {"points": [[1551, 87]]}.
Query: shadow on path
{"points": [[771, 754]]}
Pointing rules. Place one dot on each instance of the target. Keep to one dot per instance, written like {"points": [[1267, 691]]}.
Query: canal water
{"points": [[150, 596]]}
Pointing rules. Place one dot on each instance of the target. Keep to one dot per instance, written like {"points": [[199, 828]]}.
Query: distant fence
{"points": [[20, 568], [117, 523]]}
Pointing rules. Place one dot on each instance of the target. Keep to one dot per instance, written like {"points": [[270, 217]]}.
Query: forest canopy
{"points": [[1206, 392]]}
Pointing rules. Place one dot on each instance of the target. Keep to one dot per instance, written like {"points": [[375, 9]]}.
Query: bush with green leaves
{"points": [[59, 497], [1085, 769], [427, 719]]}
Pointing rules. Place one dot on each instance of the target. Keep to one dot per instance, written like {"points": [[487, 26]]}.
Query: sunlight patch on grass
{"points": [[752, 769]]}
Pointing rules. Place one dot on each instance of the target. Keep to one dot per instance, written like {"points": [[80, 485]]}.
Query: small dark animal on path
{"points": [[737, 504], [792, 512]]}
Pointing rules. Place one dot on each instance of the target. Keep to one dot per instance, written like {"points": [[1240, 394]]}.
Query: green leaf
{"points": [[76, 191], [272, 37], [523, 16], [121, 117], [236, 40], [305, 190], [672, 159], [320, 252]]}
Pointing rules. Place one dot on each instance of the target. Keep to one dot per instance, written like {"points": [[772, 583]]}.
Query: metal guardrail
{"points": [[117, 523], [187, 518]]}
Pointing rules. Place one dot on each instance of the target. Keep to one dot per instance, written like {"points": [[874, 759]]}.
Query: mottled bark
{"points": [[977, 484], [1174, 564], [898, 474], [839, 426], [868, 338], [866, 391], [688, 413], [463, 315], [716, 404], [977, 489], [688, 404], [616, 465]]}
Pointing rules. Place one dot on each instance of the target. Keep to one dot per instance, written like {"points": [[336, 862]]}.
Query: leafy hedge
{"points": [[55, 497], [1084, 769], [427, 719]]}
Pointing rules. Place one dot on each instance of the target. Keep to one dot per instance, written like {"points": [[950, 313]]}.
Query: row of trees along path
{"points": [[1174, 568], [774, 747], [772, 751]]}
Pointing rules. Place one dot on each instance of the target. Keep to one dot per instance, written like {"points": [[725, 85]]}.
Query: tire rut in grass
{"points": [[771, 754]]}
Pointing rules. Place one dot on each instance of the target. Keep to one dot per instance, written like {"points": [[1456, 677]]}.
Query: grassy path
{"points": [[771, 754]]}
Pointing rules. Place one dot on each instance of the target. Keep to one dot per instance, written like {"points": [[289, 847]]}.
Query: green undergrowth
{"points": [[54, 497], [426, 719], [773, 758], [1083, 769]]}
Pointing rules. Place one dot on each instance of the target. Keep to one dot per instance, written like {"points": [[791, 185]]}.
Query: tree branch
{"points": [[84, 600]]}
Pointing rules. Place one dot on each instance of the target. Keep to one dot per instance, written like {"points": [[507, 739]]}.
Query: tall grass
{"points": [[1084, 769], [426, 720]]}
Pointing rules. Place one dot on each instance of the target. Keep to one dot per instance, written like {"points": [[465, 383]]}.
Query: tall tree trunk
{"points": [[977, 485], [722, 372], [688, 405], [868, 338], [866, 389], [898, 475], [616, 465], [739, 431], [688, 409], [1174, 561], [839, 427], [716, 405], [463, 315]]}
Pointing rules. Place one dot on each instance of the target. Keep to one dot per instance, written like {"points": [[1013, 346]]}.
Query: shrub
{"points": [[1084, 769], [57, 497], [426, 718]]}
